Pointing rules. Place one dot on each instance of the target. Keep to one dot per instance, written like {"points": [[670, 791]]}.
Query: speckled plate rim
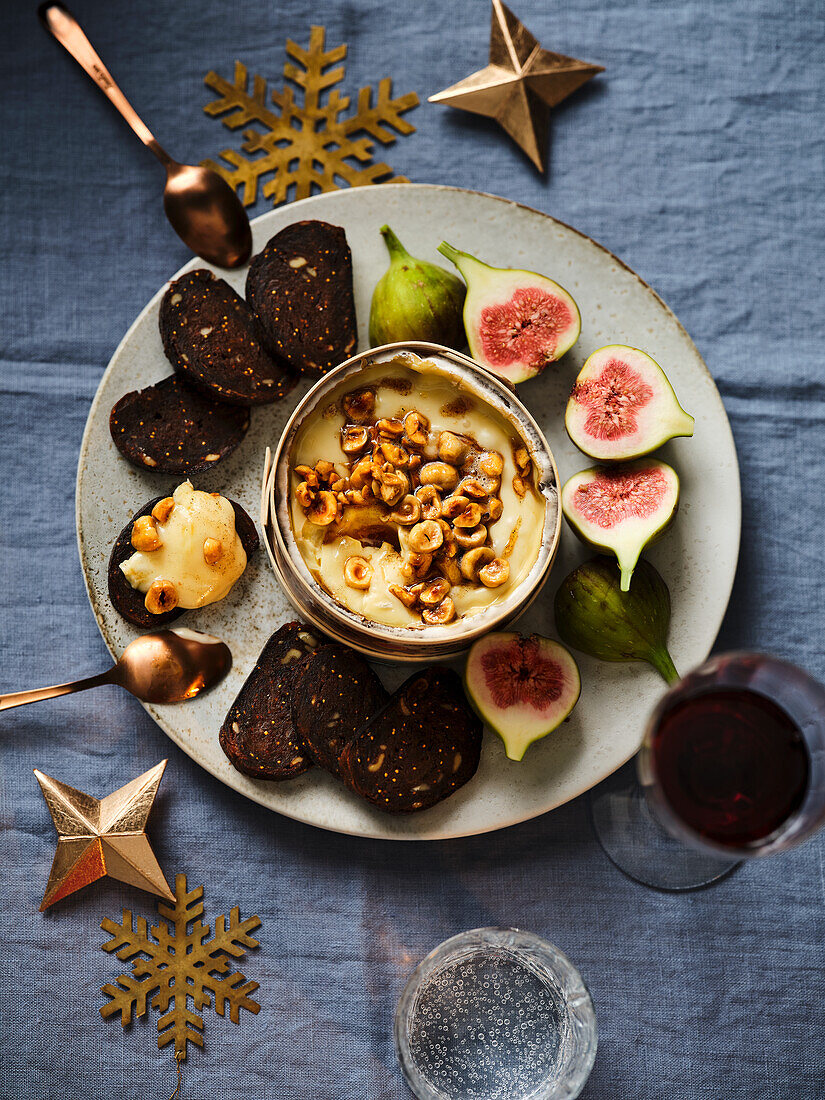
{"points": [[302, 205]]}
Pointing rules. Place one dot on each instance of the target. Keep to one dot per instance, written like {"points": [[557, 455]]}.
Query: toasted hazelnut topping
{"points": [[323, 509], [425, 537], [494, 573], [416, 426], [394, 453], [448, 567], [454, 506], [450, 447], [409, 599], [434, 592], [390, 426], [407, 512], [472, 487], [358, 406], [449, 549], [417, 565], [339, 486], [470, 517], [519, 487], [394, 484], [163, 509], [308, 474], [145, 534], [325, 471], [212, 550], [493, 508], [162, 596], [439, 474], [414, 462], [522, 459], [436, 616], [361, 472], [491, 463], [469, 538], [358, 572], [430, 501], [354, 439], [474, 560], [304, 495]]}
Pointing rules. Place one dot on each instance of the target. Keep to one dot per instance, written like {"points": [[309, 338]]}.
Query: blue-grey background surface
{"points": [[699, 158]]}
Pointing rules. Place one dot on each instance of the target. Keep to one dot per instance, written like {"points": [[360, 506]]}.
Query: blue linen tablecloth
{"points": [[699, 158]]}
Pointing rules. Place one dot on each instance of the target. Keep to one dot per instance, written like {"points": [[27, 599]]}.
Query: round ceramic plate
{"points": [[697, 558]]}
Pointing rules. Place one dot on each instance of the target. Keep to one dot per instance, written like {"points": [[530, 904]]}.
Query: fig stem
{"points": [[663, 663], [451, 253], [394, 246]]}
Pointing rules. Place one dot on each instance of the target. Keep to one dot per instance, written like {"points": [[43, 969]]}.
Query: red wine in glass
{"points": [[732, 766]]}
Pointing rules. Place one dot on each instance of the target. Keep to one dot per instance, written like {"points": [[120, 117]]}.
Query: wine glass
{"points": [[732, 767], [495, 1014]]}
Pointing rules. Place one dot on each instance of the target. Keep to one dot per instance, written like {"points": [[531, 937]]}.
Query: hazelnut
{"points": [[304, 495], [407, 512], [439, 474], [359, 405], [430, 501], [323, 509], [354, 439], [212, 550], [361, 472], [163, 509], [339, 486], [519, 487], [472, 487], [358, 572], [325, 471], [470, 517], [145, 534], [491, 463], [469, 538], [437, 616], [390, 426], [474, 560], [522, 459], [425, 537], [308, 474], [161, 597], [493, 509], [417, 565], [434, 592], [454, 506], [494, 573], [394, 485], [450, 447], [394, 453], [408, 598], [416, 426], [414, 462]]}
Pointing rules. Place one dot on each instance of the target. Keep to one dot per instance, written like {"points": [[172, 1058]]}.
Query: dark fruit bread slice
{"points": [[210, 335], [128, 601], [339, 693], [169, 428], [258, 734], [300, 287], [523, 687], [419, 749]]}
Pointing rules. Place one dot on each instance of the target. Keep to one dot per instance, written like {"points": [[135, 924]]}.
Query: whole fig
{"points": [[416, 300], [595, 616]]}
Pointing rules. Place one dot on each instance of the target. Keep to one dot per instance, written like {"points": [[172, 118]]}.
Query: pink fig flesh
{"points": [[523, 687]]}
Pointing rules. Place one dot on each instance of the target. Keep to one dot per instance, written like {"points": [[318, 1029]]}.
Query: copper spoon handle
{"points": [[20, 698], [60, 22]]}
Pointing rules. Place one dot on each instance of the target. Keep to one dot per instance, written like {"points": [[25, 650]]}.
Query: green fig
{"points": [[595, 616], [416, 300], [516, 321]]}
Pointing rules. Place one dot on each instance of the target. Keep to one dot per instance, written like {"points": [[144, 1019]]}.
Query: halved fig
{"points": [[622, 509], [516, 321], [622, 406], [523, 687]]}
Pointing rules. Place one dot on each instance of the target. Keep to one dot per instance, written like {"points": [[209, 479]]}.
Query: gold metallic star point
{"points": [[99, 837], [520, 85]]}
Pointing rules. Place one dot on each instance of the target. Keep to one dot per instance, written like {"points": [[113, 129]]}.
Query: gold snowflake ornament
{"points": [[305, 146], [173, 964]]}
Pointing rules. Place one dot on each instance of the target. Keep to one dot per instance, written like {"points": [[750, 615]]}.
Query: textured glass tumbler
{"points": [[495, 1014]]}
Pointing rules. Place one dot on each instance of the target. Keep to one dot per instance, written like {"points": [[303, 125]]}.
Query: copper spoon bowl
{"points": [[167, 666], [202, 208]]}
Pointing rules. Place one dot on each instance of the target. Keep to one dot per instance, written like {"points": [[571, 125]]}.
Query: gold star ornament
{"points": [[520, 85], [103, 837]]}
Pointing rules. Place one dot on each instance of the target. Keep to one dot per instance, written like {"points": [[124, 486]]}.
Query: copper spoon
{"points": [[204, 210], [167, 666]]}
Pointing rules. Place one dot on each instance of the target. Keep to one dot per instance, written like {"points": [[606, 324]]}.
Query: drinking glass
{"points": [[732, 767], [495, 1014]]}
